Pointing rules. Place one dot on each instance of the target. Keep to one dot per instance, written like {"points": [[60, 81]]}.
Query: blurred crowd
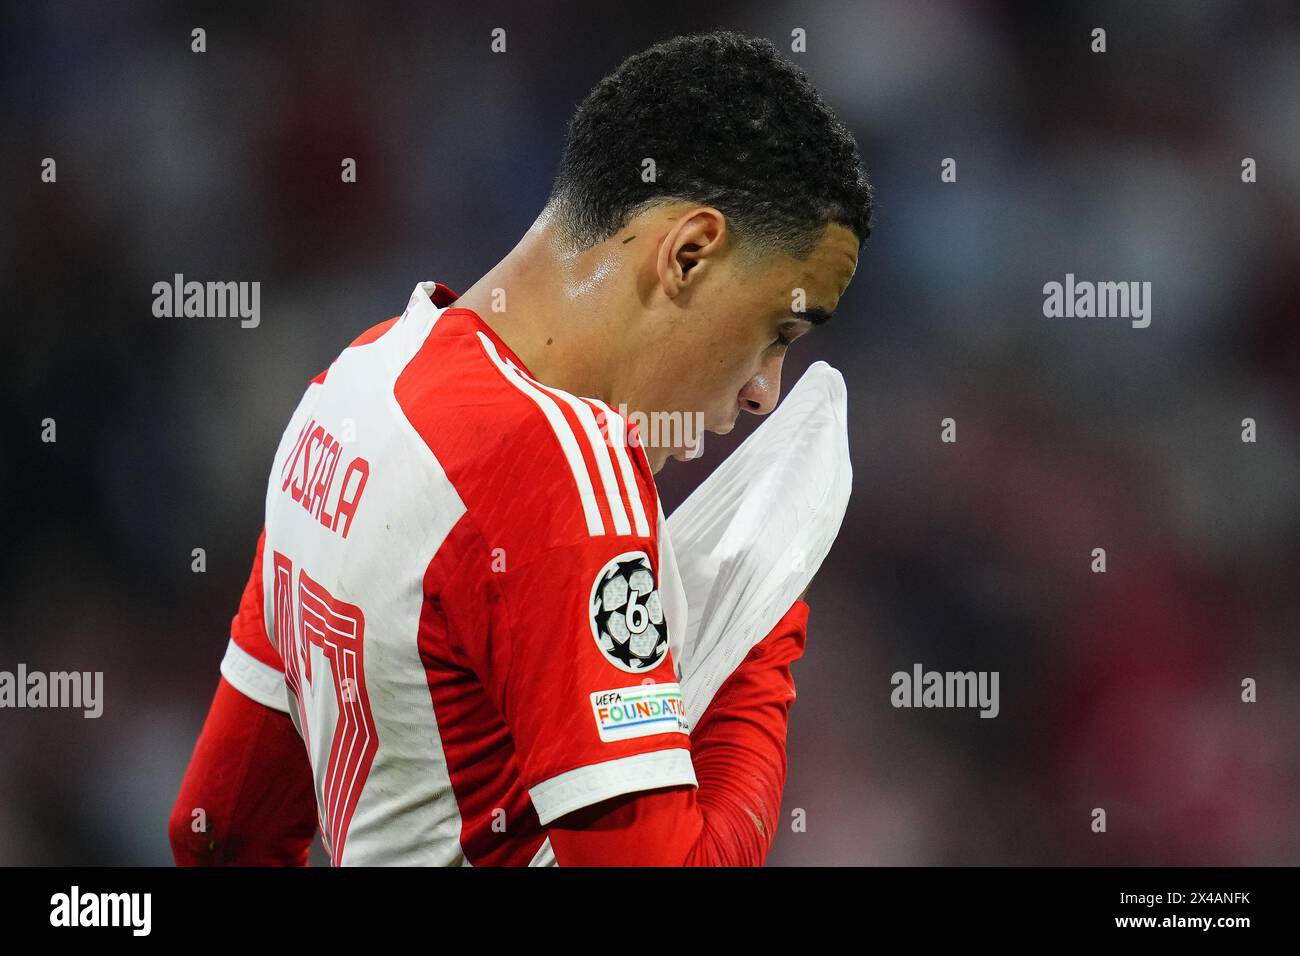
{"points": [[1119, 690]]}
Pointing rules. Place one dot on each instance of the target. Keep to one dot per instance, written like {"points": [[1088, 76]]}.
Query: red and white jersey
{"points": [[459, 598]]}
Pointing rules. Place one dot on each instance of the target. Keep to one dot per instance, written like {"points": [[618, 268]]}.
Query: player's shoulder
{"points": [[528, 460]]}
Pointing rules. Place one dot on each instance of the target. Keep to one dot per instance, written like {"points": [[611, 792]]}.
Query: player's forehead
{"points": [[822, 276]]}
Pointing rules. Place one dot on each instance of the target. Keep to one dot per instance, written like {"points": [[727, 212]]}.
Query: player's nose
{"points": [[762, 392]]}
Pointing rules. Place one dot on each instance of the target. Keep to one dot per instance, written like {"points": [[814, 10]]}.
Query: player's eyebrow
{"points": [[814, 314]]}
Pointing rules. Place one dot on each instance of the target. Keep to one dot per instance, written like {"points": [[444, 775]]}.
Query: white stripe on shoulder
{"points": [[563, 432], [617, 428], [600, 449]]}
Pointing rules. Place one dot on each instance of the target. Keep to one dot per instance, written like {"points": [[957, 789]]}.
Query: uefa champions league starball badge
{"points": [[627, 618]]}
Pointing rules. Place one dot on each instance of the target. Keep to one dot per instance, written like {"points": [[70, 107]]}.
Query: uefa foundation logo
{"points": [[627, 619]]}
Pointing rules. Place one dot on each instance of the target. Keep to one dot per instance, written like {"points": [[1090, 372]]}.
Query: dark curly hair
{"points": [[729, 124]]}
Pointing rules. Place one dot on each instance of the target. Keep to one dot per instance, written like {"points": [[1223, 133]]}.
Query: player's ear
{"points": [[695, 239]]}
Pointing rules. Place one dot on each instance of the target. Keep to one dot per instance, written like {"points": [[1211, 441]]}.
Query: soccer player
{"points": [[456, 643]]}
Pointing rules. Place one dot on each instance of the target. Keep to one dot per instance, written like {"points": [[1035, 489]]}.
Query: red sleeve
{"points": [[551, 592], [251, 663], [572, 647], [248, 628], [740, 761], [247, 798]]}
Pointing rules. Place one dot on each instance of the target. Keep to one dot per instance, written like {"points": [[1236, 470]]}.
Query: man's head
{"points": [[708, 209]]}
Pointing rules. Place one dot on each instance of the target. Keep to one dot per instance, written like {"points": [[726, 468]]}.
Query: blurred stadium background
{"points": [[1119, 690]]}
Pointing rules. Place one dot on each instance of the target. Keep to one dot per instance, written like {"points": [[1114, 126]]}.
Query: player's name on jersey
{"points": [[208, 300], [310, 476]]}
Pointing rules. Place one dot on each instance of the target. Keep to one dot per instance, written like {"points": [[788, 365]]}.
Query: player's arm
{"points": [[738, 750], [247, 798], [606, 763]]}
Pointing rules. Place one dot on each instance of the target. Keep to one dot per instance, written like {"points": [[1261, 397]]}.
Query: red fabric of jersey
{"points": [[738, 750], [247, 798]]}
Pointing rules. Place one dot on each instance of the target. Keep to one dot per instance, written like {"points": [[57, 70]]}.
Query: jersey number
{"points": [[311, 615]]}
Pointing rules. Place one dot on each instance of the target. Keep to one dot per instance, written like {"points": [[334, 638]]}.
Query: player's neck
{"points": [[553, 312]]}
